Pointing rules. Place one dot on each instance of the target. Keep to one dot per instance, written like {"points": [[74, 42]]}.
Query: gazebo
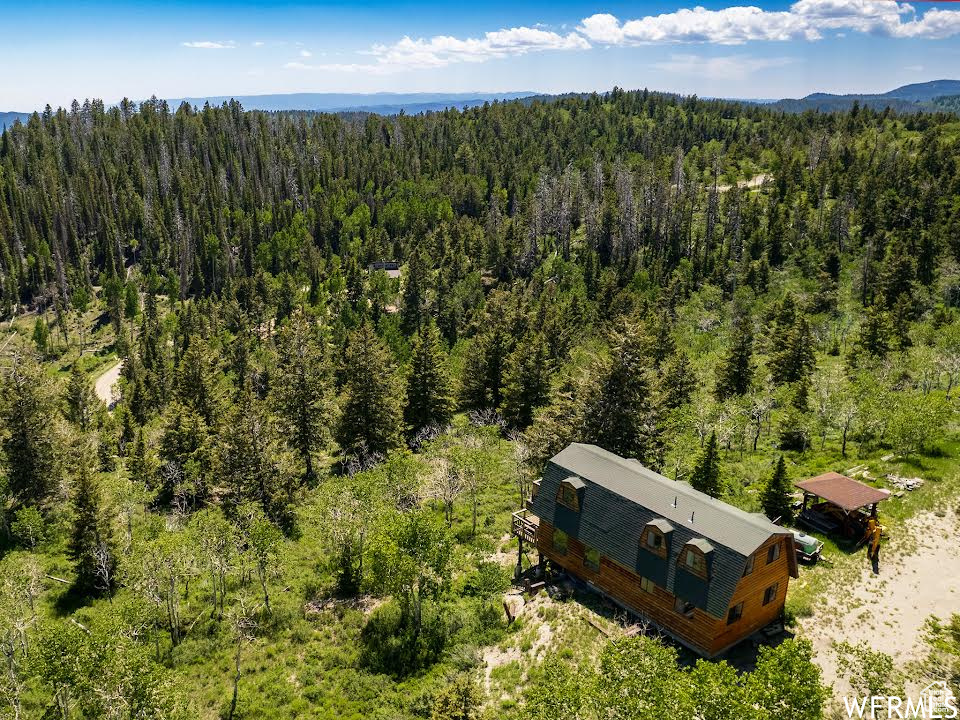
{"points": [[839, 504]]}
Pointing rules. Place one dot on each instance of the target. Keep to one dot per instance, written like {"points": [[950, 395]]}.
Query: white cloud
{"points": [[443, 50], [210, 44], [805, 20], [726, 67], [258, 43]]}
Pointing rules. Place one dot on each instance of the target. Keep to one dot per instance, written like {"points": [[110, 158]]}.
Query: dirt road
{"points": [[106, 383]]}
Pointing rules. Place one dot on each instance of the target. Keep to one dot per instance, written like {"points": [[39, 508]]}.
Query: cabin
{"points": [[390, 267], [703, 572]]}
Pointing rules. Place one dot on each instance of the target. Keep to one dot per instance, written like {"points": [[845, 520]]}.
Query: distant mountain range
{"points": [[7, 118], [928, 96], [383, 103]]}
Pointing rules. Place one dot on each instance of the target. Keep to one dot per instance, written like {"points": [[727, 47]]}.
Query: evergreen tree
{"points": [[873, 338], [792, 357], [735, 371], [90, 546], [776, 499], [414, 296], [80, 400], [250, 463], [32, 439], [677, 381], [301, 389], [706, 473], [371, 413], [198, 383], [429, 386], [482, 384], [617, 411], [526, 381]]}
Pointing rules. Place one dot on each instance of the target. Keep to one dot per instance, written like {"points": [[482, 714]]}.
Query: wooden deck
{"points": [[524, 526]]}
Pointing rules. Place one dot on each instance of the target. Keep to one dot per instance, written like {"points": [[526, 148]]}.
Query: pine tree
{"points": [[482, 384], [735, 371], [677, 381], [526, 381], [776, 500], [90, 545], [429, 386], [792, 357], [32, 440], [617, 411], [250, 462], [371, 414], [414, 296], [302, 390], [706, 473], [198, 383], [80, 400]]}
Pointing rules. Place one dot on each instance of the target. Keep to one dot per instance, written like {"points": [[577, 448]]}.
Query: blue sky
{"points": [[56, 50]]}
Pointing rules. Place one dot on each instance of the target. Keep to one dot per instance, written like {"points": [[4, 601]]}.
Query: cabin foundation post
{"points": [[519, 569]]}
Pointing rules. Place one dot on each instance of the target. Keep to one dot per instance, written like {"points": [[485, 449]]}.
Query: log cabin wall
{"points": [[701, 631]]}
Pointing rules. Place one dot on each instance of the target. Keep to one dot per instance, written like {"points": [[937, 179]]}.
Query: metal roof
{"points": [[846, 492], [622, 497], [575, 482], [677, 501]]}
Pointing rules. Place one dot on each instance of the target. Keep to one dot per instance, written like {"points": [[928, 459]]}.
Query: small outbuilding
{"points": [[834, 503]]}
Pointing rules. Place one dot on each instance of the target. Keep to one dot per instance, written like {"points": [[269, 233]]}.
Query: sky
{"points": [[56, 50]]}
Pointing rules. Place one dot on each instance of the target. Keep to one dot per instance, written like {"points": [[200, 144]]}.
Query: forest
{"points": [[297, 502]]}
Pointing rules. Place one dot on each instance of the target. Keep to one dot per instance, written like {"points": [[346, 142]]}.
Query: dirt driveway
{"points": [[919, 577]]}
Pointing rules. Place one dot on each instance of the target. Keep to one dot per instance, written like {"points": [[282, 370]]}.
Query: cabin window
{"points": [[773, 552], [647, 585], [749, 568], [683, 607], [591, 558], [694, 561], [654, 541], [568, 497], [770, 594], [736, 612], [560, 541]]}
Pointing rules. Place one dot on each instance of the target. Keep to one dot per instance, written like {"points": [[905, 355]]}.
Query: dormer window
{"points": [[693, 557], [654, 537], [570, 493]]}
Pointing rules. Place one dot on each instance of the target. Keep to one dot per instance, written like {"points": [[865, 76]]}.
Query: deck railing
{"points": [[525, 526]]}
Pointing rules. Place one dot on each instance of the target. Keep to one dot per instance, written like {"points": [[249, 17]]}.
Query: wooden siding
{"points": [[750, 591], [703, 632]]}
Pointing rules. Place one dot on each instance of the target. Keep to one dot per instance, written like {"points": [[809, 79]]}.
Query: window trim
{"points": [[568, 496], [749, 567], [649, 530], [735, 614], [566, 541], [586, 563], [698, 569], [775, 588], [773, 553]]}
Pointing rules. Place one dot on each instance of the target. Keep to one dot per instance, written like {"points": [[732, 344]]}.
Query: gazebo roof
{"points": [[840, 490]]}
